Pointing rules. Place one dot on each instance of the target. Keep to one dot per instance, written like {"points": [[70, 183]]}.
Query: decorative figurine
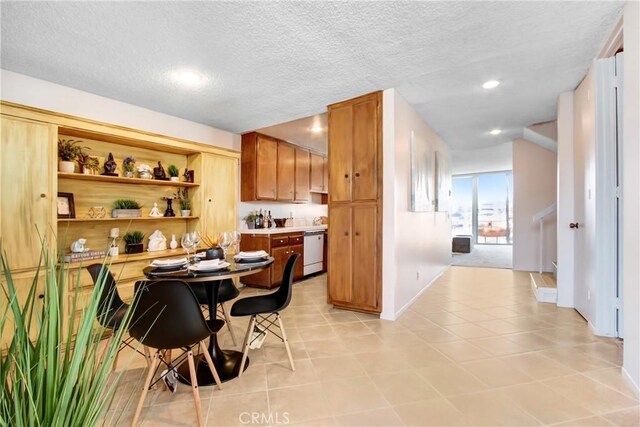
{"points": [[78, 246], [159, 173], [109, 166], [157, 242], [155, 212], [169, 211], [189, 175], [145, 171], [174, 243]]}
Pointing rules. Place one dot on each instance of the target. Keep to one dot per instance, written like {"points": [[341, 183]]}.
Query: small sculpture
{"points": [[169, 211], [78, 246], [109, 166], [159, 173], [174, 243], [189, 175], [157, 242], [155, 212], [145, 171]]}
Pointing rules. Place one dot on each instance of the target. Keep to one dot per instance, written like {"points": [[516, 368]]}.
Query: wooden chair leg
{"points": [[227, 320], [194, 387], [147, 355], [245, 347], [286, 341], [212, 367], [145, 389]]}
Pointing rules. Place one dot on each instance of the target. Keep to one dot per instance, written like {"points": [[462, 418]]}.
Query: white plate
{"points": [[166, 263], [202, 268]]}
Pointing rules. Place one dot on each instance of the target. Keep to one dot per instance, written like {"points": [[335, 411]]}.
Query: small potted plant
{"points": [[185, 203], [68, 152], [125, 208], [133, 242], [173, 173], [250, 220], [128, 166], [83, 161]]}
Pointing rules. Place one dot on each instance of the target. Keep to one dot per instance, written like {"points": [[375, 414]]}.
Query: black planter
{"points": [[214, 253], [134, 248]]}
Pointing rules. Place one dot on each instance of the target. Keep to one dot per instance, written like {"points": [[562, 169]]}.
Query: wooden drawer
{"points": [[279, 240], [296, 239]]}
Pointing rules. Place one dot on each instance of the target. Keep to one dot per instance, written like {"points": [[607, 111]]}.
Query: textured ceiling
{"points": [[271, 62], [299, 132]]}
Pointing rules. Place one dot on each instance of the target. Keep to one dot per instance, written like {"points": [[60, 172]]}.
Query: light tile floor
{"points": [[475, 349]]}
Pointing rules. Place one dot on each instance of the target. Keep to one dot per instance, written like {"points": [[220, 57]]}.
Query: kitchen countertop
{"points": [[284, 229]]}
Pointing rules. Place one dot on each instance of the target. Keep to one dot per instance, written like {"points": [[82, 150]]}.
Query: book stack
{"points": [[83, 256]]}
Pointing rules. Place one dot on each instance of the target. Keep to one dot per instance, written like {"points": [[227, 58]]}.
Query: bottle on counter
{"points": [[269, 220], [260, 220]]}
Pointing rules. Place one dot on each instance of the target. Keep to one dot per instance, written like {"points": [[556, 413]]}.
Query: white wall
{"points": [[417, 245], [25, 90], [488, 159], [631, 195], [534, 189], [565, 216]]}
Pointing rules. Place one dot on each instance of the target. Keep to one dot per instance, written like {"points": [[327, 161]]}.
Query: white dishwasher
{"points": [[313, 251]]}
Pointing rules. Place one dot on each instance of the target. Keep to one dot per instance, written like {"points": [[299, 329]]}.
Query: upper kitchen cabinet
{"points": [[355, 137], [319, 170], [259, 167], [286, 171], [302, 175]]}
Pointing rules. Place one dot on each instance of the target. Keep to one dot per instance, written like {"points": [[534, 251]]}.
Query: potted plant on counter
{"points": [[128, 166], [173, 173], [250, 220], [133, 242], [68, 152], [125, 208]]}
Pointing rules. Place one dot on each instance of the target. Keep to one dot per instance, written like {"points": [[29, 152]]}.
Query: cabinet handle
{"points": [[346, 175], [357, 233], [42, 195], [41, 296], [346, 233], [357, 174]]}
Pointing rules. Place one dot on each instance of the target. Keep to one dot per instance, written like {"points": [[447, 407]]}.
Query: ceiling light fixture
{"points": [[316, 129], [490, 84], [495, 132], [188, 78]]}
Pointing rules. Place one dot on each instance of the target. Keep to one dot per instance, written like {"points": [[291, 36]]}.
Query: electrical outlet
{"points": [[417, 275], [589, 295]]}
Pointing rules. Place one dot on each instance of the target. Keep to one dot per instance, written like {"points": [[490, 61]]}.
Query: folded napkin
{"points": [[251, 254], [168, 262], [209, 263]]}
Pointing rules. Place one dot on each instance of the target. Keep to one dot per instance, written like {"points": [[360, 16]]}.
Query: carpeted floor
{"points": [[497, 256]]}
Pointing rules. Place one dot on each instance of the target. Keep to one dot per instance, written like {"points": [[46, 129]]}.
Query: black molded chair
{"points": [[111, 308], [226, 292], [262, 307], [167, 316]]}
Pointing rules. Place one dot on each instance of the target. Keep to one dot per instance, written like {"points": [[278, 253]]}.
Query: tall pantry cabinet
{"points": [[355, 204]]}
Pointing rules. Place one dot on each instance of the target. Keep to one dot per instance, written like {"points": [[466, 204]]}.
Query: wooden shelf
{"points": [[142, 218], [146, 255], [124, 180]]}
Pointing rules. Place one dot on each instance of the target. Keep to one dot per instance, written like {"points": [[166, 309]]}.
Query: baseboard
{"points": [[632, 384], [412, 300]]}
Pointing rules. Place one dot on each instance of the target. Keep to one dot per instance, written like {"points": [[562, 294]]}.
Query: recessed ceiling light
{"points": [[495, 132], [188, 78], [490, 84], [316, 129]]}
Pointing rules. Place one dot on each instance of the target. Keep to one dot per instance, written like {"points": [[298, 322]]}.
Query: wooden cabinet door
{"points": [[277, 268], [340, 152], [286, 171], [219, 188], [339, 254], [317, 173], [364, 287], [28, 159], [266, 167], [325, 174], [256, 242], [302, 176], [298, 271], [365, 147]]}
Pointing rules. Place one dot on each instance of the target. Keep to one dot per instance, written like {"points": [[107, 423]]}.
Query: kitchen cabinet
{"points": [[280, 246], [220, 189], [259, 157], [319, 182], [302, 176], [355, 204], [286, 171], [355, 149]]}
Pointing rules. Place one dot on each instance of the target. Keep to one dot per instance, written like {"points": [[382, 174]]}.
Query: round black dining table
{"points": [[227, 362]]}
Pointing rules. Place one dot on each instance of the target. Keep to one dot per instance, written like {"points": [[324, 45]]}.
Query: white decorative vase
{"points": [[175, 179], [66, 166], [114, 251], [185, 212], [173, 244], [128, 174]]}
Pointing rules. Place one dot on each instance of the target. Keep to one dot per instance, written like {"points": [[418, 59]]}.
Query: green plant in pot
{"points": [[250, 220], [68, 152], [174, 173], [128, 166], [185, 204], [134, 242], [126, 208], [52, 372]]}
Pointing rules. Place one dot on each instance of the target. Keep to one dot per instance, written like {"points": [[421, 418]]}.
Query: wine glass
{"points": [[225, 240], [236, 240], [188, 243]]}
